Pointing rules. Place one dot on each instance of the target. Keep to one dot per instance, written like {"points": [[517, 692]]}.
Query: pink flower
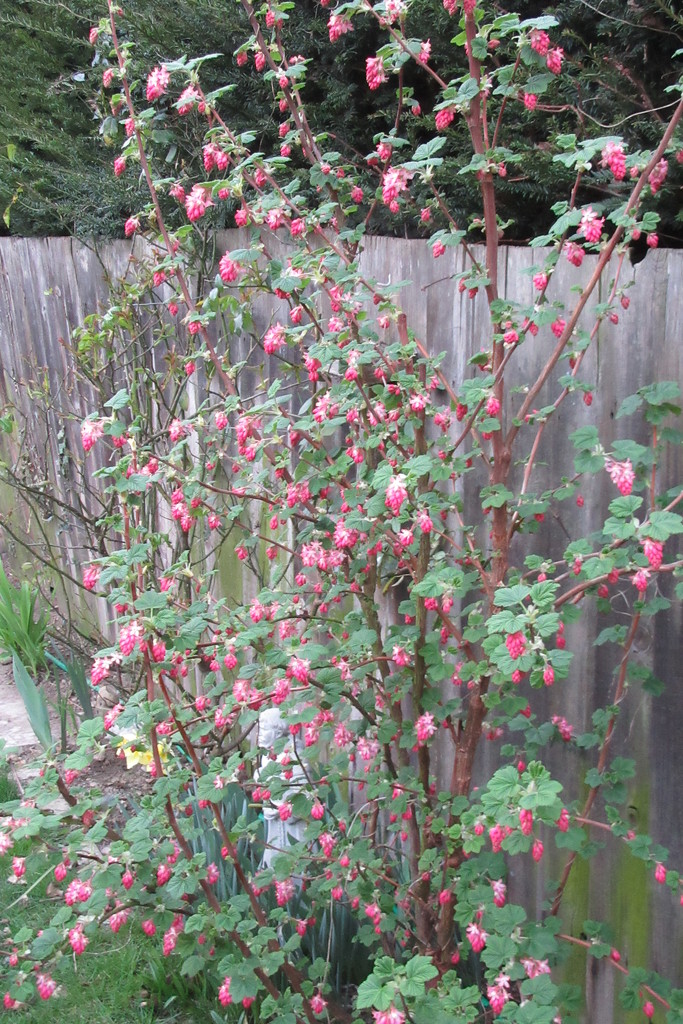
{"points": [[318, 1004], [131, 226], [657, 176], [392, 1015], [284, 811], [163, 873], [499, 892], [45, 985], [400, 656], [530, 101], [107, 77], [394, 182], [539, 41], [537, 850], [91, 575], [337, 26], [438, 249], [374, 72], [396, 493], [535, 967], [224, 997], [299, 668], [554, 60], [119, 166], [117, 920], [130, 637], [540, 281], [111, 716], [515, 643], [591, 225], [443, 118], [424, 727], [77, 891], [574, 253], [424, 521], [499, 994], [274, 338], [198, 202], [317, 810], [563, 820], [654, 551], [621, 474], [641, 579], [477, 937], [148, 926], [18, 866], [526, 822], [157, 83], [188, 98], [327, 843], [228, 270], [284, 892], [91, 431], [176, 430], [158, 650], [613, 157]]}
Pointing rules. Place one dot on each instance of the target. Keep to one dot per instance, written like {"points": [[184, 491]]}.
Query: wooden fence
{"points": [[48, 285]]}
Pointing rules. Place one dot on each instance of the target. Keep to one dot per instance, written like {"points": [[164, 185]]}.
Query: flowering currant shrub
{"points": [[312, 742]]}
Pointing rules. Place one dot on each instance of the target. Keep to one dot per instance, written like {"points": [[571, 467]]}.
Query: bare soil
{"points": [[108, 773]]}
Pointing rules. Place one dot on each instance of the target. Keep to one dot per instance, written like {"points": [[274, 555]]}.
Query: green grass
{"points": [[8, 791], [119, 979]]}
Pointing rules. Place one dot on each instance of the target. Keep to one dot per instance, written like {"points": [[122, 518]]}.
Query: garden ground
{"points": [[120, 979]]}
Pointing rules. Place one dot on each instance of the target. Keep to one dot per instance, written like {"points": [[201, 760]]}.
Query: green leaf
{"points": [[421, 969], [119, 401], [192, 966], [506, 597], [429, 149], [34, 702], [663, 525]]}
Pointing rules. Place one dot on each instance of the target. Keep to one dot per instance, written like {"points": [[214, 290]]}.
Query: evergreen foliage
{"points": [[56, 173]]}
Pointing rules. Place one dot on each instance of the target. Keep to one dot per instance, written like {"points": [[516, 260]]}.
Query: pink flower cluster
{"points": [[198, 202], [396, 493], [621, 474], [157, 83], [613, 156], [374, 72], [477, 936], [499, 994], [91, 431], [425, 727], [516, 644], [591, 225], [338, 26]]}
